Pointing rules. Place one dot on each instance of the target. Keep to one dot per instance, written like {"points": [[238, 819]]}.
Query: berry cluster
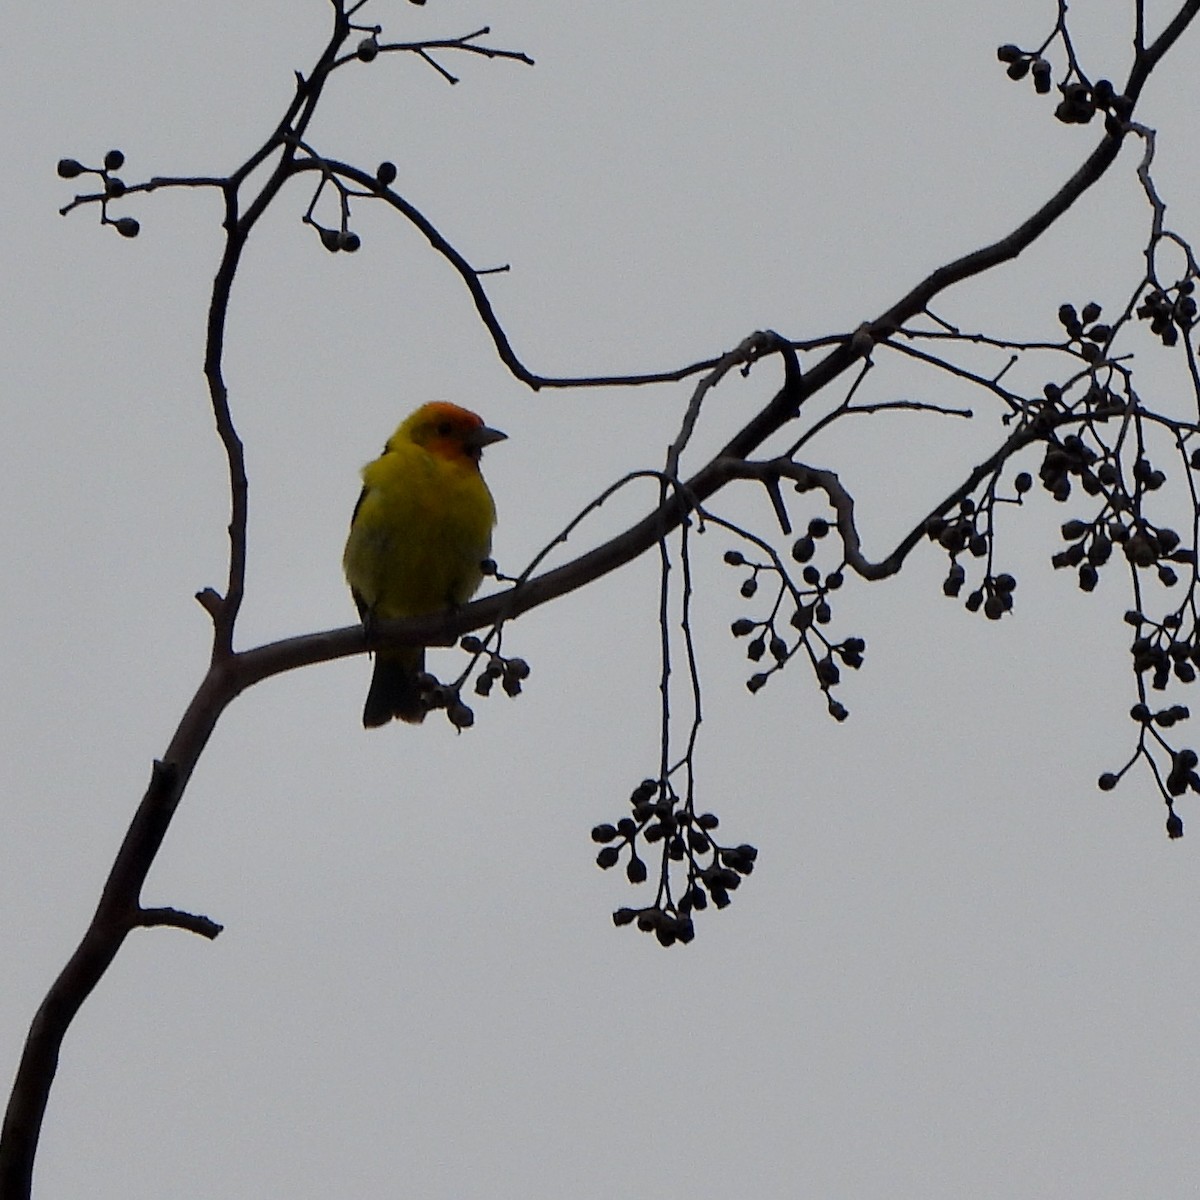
{"points": [[1025, 62], [1164, 651], [1180, 778], [810, 609], [113, 188], [661, 817], [1120, 522], [1167, 313], [511, 673], [970, 531], [1084, 330], [338, 239], [341, 237], [1120, 472], [1165, 657], [1181, 775], [1070, 456], [1080, 101]]}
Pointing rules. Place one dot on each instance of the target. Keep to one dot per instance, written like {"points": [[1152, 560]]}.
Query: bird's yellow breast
{"points": [[422, 527]]}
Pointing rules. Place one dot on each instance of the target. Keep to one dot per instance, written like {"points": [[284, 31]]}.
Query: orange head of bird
{"points": [[447, 430]]}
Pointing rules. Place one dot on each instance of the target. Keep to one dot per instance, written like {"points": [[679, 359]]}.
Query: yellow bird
{"points": [[418, 537]]}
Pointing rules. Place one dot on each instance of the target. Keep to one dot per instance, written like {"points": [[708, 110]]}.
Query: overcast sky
{"points": [[959, 969]]}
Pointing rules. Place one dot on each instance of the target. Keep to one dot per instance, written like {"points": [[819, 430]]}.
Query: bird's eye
{"points": [[444, 429]]}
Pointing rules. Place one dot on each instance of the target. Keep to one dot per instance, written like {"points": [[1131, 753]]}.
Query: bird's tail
{"points": [[396, 688]]}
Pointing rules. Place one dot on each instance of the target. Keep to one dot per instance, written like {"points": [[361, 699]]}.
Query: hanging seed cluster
{"points": [[797, 613], [693, 868]]}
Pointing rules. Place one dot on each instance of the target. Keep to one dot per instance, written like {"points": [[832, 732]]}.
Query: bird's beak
{"points": [[483, 436]]}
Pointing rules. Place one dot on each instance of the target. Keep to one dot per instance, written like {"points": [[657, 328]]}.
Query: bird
{"points": [[419, 536]]}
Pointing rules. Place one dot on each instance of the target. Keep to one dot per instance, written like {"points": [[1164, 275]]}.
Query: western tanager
{"points": [[420, 532]]}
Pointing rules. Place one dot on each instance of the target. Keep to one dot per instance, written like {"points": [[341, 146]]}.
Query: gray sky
{"points": [[959, 969]]}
